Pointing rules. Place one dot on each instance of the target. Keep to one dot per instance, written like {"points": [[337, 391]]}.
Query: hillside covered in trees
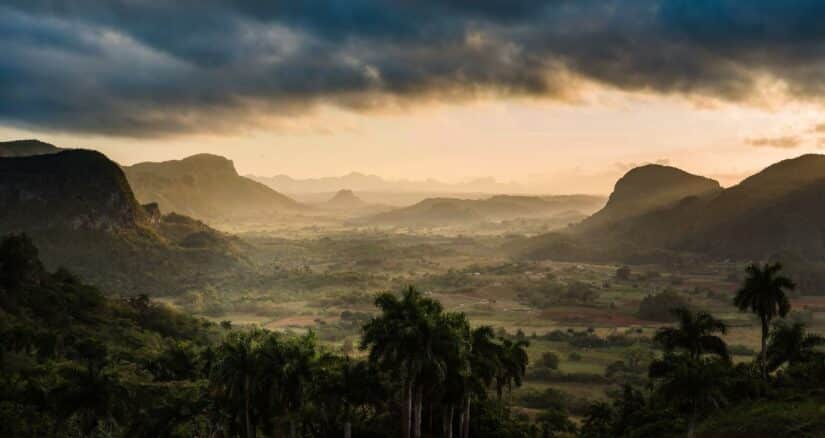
{"points": [[77, 363]]}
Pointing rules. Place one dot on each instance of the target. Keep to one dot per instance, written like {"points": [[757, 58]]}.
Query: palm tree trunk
{"points": [[447, 427], [430, 417], [692, 424], [348, 429], [406, 419], [292, 430], [764, 354], [419, 400], [250, 431], [467, 417]]}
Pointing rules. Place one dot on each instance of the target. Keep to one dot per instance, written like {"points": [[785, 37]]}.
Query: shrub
{"points": [[623, 273], [575, 357], [549, 360], [658, 307]]}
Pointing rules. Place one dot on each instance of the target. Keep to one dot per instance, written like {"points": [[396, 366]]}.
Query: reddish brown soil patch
{"points": [[590, 316]]}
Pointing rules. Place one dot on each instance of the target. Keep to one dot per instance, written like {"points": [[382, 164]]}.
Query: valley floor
{"points": [[589, 318]]}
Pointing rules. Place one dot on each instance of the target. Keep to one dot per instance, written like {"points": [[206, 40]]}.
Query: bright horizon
{"points": [[487, 95]]}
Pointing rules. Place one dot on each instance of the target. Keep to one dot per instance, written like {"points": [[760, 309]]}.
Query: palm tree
{"points": [[790, 343], [92, 393], [453, 349], [295, 376], [764, 294], [695, 335], [402, 339], [485, 359], [690, 385], [513, 358], [235, 371]]}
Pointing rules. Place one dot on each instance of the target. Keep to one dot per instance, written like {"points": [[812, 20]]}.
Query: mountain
{"points": [[778, 210], [372, 183], [74, 189], [649, 188], [78, 207], [345, 200], [206, 187], [452, 211], [24, 148]]}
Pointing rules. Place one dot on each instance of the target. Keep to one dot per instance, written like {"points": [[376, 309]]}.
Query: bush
{"points": [[549, 360], [658, 307]]}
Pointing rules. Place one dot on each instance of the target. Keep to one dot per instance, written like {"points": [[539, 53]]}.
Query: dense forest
{"points": [[78, 363]]}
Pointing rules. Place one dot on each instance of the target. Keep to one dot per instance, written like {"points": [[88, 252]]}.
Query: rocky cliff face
{"points": [[75, 189], [80, 210]]}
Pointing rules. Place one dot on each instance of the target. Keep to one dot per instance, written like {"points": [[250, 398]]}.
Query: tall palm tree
{"points": [[402, 338], [690, 385], [235, 372], [296, 374], [513, 358], [764, 294], [695, 334], [92, 393], [791, 343], [453, 349], [486, 355]]}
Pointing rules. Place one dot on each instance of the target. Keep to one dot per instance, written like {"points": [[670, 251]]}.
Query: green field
{"points": [[324, 280]]}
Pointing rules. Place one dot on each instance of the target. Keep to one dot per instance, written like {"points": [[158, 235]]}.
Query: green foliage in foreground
{"points": [[77, 363], [74, 362]]}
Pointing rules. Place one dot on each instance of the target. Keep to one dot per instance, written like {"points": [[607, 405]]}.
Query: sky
{"points": [[561, 96]]}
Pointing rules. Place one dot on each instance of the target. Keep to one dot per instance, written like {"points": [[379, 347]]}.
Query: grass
{"points": [[492, 297]]}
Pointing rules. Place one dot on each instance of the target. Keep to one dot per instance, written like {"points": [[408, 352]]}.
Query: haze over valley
{"points": [[489, 219]]}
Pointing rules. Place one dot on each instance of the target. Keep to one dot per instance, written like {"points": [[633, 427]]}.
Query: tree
{"points": [[695, 334], [598, 421], [93, 394], [549, 360], [402, 339], [19, 262], [658, 307], [691, 385], [764, 294], [235, 372], [456, 386], [486, 356], [623, 273], [790, 343], [514, 360], [284, 369]]}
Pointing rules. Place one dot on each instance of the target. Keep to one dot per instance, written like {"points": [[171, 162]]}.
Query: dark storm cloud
{"points": [[154, 67]]}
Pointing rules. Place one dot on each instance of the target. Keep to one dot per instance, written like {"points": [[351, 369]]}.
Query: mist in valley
{"points": [[497, 219]]}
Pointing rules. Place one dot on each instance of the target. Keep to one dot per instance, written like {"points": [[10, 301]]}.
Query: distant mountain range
{"points": [[360, 182], [207, 187], [655, 211], [452, 211], [78, 207]]}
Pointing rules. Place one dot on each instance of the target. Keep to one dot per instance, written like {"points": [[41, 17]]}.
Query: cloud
{"points": [[152, 67], [784, 142]]}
